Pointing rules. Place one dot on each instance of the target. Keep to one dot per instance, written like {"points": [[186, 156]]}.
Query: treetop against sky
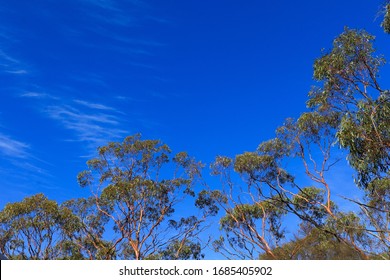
{"points": [[206, 77], [209, 78]]}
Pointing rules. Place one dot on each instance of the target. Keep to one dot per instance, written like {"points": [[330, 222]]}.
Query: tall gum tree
{"points": [[138, 186], [350, 86], [348, 107], [266, 195], [35, 229]]}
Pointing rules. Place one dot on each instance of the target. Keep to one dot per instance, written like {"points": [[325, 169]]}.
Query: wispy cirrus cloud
{"points": [[115, 5], [7, 59], [92, 105], [17, 72], [11, 65], [20, 166], [68, 113], [112, 12], [92, 123], [104, 4], [12, 148], [38, 95], [107, 18]]}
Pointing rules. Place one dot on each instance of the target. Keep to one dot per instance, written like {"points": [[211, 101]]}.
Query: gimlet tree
{"points": [[350, 86], [138, 186], [348, 107], [35, 229]]}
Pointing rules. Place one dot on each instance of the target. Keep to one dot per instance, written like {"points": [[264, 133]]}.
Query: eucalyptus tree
{"points": [[83, 235], [146, 195], [386, 19], [350, 86], [314, 244], [33, 229], [348, 107], [250, 221], [260, 194]]}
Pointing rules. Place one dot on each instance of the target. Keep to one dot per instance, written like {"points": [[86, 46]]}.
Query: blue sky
{"points": [[208, 77]]}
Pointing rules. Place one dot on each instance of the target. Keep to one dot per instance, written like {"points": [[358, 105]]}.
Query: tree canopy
{"points": [[137, 186]]}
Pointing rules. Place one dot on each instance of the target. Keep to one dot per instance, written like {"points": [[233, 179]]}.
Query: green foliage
{"points": [[207, 200], [256, 166], [308, 203], [351, 89], [137, 186], [188, 250], [30, 229], [83, 237], [221, 165], [245, 216], [314, 125], [366, 135], [346, 72], [275, 148], [386, 20], [315, 244], [352, 56]]}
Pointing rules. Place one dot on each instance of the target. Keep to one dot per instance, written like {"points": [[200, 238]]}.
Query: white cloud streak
{"points": [[7, 59], [37, 95], [13, 148], [89, 124], [92, 123], [11, 65], [93, 105], [110, 11], [17, 72]]}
